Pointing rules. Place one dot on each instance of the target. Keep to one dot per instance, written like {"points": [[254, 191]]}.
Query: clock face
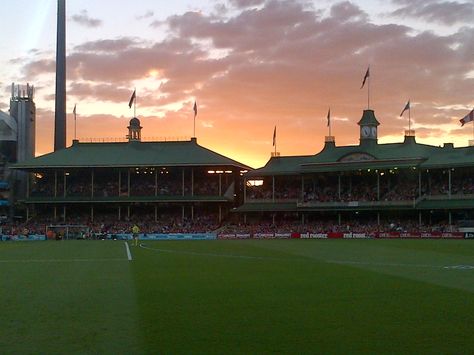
{"points": [[365, 131], [374, 132]]}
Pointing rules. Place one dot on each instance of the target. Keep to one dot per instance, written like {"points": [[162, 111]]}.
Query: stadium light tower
{"points": [[60, 105]]}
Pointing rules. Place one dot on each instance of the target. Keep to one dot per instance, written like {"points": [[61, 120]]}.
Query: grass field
{"points": [[246, 297]]}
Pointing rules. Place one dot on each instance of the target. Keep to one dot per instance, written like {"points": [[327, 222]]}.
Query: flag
{"points": [[407, 107], [195, 108], [132, 99], [329, 117], [367, 74], [468, 118], [74, 111], [274, 135]]}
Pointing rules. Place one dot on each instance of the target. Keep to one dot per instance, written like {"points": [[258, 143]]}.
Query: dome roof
{"points": [[134, 122]]}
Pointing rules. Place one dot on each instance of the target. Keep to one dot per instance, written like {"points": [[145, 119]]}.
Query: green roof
{"points": [[370, 156], [131, 154]]}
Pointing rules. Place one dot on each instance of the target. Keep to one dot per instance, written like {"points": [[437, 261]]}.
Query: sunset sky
{"points": [[251, 65]]}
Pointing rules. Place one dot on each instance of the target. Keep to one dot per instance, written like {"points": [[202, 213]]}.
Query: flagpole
{"points": [[75, 123], [274, 141], [329, 121], [409, 119], [368, 91], [135, 103]]}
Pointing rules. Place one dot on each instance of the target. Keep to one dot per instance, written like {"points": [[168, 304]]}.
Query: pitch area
{"points": [[249, 296]]}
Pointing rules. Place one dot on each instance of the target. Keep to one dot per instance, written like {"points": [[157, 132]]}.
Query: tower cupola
{"points": [[134, 130], [368, 127]]}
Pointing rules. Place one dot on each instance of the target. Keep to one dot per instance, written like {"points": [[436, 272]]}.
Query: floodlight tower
{"points": [[60, 107]]}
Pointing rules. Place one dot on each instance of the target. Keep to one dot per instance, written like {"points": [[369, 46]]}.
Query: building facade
{"points": [[366, 183]]}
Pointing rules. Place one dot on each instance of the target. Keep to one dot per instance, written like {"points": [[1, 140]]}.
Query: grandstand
{"points": [[368, 190], [368, 184], [133, 180]]}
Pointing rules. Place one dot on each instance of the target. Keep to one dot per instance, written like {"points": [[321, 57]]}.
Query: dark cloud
{"points": [[444, 12], [83, 19]]}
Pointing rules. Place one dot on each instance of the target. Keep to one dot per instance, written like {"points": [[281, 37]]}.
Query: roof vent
{"points": [[448, 145]]}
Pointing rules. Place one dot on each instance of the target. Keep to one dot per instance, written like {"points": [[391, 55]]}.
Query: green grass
{"points": [[242, 297]]}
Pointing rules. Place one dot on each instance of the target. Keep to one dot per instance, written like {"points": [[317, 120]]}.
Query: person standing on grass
{"points": [[135, 231]]}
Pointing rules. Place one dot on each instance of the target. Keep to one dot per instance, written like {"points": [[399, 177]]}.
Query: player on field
{"points": [[135, 231]]}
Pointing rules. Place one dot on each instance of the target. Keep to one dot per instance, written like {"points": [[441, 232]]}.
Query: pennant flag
{"points": [[468, 118], [329, 117], [407, 107], [74, 111], [195, 108], [367, 74], [132, 99], [274, 135]]}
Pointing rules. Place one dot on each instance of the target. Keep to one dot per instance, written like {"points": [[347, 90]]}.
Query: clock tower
{"points": [[368, 127]]}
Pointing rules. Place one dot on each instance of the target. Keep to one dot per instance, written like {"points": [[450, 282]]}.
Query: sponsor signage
{"points": [[313, 235], [226, 236], [356, 235], [452, 235], [388, 235], [282, 235], [469, 235], [264, 235]]}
